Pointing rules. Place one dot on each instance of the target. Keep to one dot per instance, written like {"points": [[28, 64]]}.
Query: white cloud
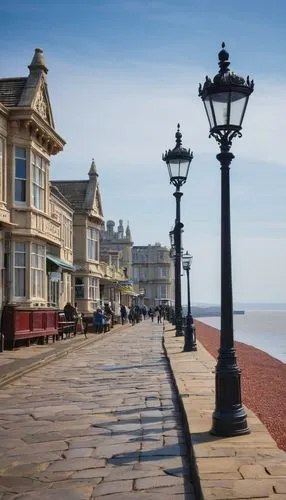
{"points": [[128, 115]]}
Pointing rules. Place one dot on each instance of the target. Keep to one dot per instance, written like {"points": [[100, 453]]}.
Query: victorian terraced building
{"points": [[49, 231]]}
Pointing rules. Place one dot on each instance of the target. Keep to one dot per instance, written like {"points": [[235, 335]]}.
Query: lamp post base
{"points": [[179, 326], [230, 423], [229, 417], [190, 336]]}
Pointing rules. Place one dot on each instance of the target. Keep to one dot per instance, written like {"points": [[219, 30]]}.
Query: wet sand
{"points": [[263, 382]]}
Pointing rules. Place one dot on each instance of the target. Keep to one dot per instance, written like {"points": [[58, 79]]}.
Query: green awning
{"points": [[66, 266]]}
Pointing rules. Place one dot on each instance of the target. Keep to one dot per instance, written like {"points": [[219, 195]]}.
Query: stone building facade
{"points": [[153, 273], [29, 232], [94, 278], [49, 231]]}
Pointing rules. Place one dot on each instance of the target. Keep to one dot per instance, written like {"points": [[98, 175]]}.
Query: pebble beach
{"points": [[263, 382]]}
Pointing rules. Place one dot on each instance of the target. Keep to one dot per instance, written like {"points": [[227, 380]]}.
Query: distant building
{"points": [[118, 244], [153, 273]]}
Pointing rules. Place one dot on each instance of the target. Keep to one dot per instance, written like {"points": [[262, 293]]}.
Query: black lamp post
{"points": [[178, 162], [225, 100], [172, 256], [190, 330]]}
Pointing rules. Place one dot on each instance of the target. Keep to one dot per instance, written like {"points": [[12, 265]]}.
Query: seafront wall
{"points": [[263, 381]]}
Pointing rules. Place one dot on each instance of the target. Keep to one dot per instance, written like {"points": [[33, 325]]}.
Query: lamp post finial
{"points": [[178, 136]]}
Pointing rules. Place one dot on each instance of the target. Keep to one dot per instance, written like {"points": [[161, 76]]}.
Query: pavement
{"points": [[126, 417], [101, 422], [242, 467], [14, 364]]}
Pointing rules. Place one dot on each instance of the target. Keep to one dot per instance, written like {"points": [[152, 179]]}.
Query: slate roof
{"points": [[11, 90], [56, 192], [73, 191]]}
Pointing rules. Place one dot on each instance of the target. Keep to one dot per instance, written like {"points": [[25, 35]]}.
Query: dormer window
{"points": [[20, 174]]}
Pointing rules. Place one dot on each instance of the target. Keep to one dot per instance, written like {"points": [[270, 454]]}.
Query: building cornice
{"points": [[39, 129]]}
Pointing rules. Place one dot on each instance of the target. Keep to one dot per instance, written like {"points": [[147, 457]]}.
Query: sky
{"points": [[122, 74]]}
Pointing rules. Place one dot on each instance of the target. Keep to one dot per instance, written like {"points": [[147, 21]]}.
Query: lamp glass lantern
{"points": [[178, 161], [225, 98], [178, 168], [187, 261]]}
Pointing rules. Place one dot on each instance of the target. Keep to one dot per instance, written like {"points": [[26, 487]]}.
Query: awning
{"points": [[126, 287], [66, 266]]}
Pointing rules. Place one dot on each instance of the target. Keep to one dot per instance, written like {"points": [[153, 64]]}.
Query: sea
{"points": [[264, 329]]}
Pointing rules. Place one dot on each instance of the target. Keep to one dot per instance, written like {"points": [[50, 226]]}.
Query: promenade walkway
{"points": [[235, 468], [100, 422]]}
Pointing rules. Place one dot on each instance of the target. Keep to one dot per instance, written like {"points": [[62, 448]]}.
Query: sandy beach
{"points": [[263, 382]]}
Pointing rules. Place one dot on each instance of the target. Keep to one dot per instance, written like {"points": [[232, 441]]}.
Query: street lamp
{"points": [[190, 330], [172, 257], [178, 162], [225, 100]]}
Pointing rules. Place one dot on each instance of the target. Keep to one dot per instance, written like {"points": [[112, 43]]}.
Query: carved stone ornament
{"points": [[41, 105], [97, 206]]}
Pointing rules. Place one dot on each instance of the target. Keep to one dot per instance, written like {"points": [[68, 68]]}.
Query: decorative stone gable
{"points": [[42, 103], [97, 204]]}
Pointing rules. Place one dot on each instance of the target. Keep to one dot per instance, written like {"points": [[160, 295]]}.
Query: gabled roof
{"points": [[11, 90], [29, 92], [84, 196]]}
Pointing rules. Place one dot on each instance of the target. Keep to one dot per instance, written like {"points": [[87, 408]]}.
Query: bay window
{"points": [[20, 174], [93, 288], [20, 269], [39, 169], [79, 288], [37, 268], [92, 244]]}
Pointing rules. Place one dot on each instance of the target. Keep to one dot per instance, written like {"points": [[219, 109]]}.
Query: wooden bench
{"points": [[65, 327], [23, 325]]}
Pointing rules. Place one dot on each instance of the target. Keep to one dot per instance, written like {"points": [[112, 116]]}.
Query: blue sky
{"points": [[122, 74]]}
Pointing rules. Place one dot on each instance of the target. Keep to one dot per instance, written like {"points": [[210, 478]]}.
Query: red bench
{"points": [[26, 324]]}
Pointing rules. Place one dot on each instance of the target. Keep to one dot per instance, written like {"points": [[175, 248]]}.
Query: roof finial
{"points": [[92, 170], [38, 61]]}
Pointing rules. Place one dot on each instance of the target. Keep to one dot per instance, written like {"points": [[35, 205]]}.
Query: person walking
{"points": [[98, 321], [84, 324], [123, 314]]}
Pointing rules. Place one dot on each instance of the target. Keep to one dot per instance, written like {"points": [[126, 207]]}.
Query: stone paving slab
{"points": [[234, 468], [102, 422], [14, 364]]}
